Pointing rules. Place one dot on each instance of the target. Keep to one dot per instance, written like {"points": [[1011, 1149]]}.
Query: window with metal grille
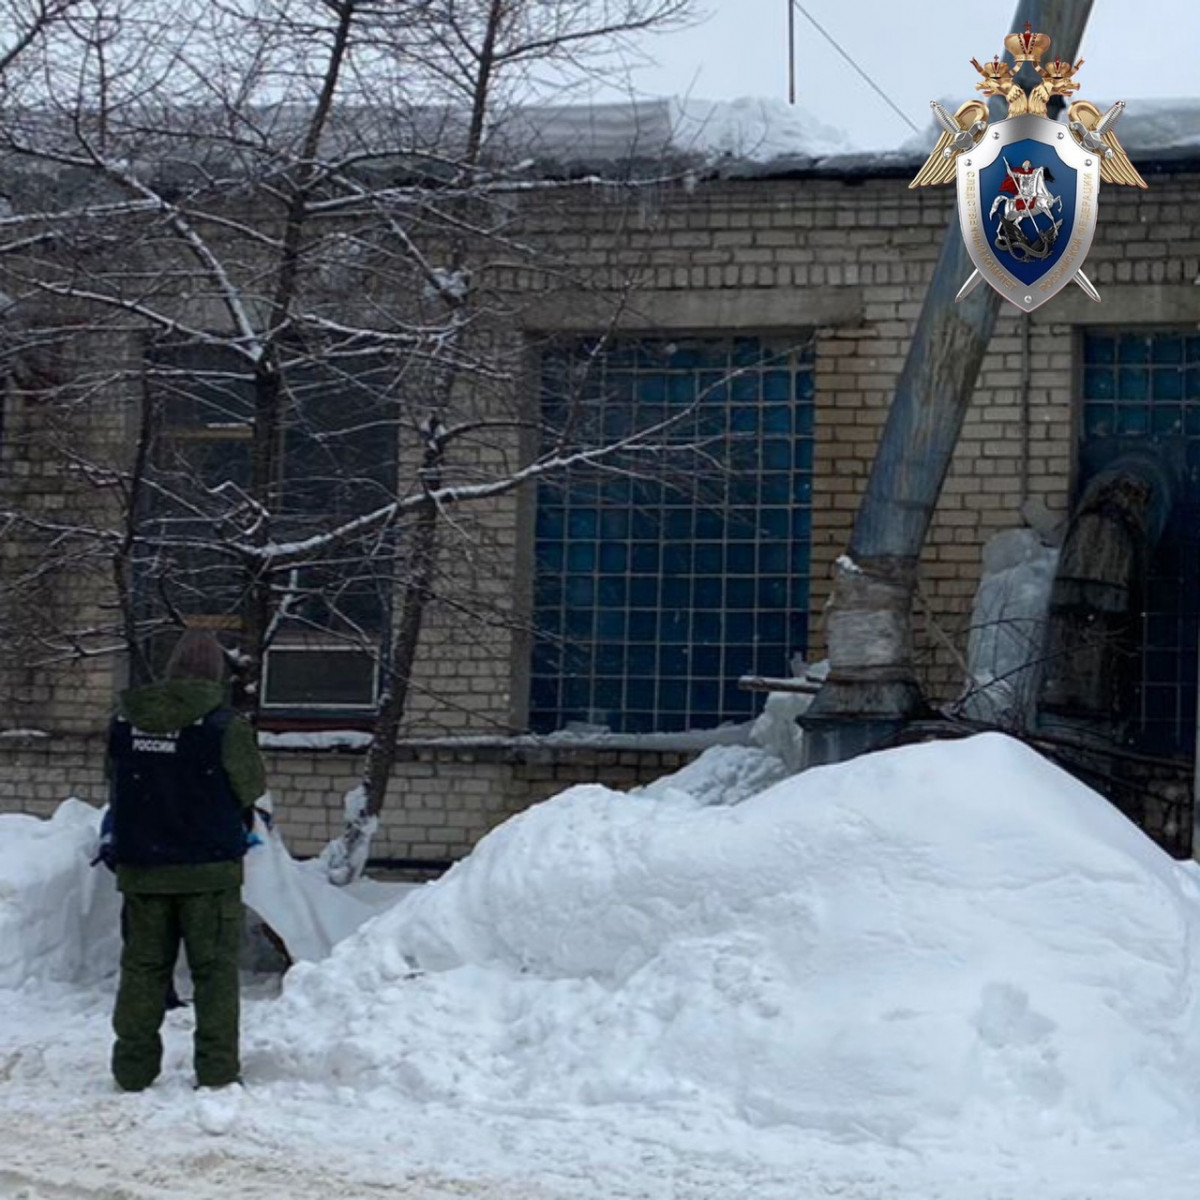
{"points": [[654, 595], [1142, 389]]}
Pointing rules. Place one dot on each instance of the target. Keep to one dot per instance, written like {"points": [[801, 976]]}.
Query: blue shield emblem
{"points": [[1027, 205]]}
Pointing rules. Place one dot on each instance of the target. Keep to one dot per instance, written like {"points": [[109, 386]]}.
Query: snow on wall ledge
{"points": [[921, 940]]}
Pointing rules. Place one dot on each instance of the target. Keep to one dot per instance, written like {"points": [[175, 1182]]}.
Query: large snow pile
{"points": [[58, 915], [939, 937], [946, 971]]}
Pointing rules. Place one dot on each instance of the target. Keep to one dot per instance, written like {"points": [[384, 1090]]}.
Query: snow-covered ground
{"points": [[947, 971]]}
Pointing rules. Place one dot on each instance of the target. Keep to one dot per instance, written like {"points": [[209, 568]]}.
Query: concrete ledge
{"points": [[519, 753], [1124, 304], [724, 310]]}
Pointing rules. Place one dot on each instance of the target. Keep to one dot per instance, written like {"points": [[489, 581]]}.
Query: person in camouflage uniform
{"points": [[184, 773]]}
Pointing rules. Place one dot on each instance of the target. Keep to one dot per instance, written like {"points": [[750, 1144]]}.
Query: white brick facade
{"points": [[849, 257]]}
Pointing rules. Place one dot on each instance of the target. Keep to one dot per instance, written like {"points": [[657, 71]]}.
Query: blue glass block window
{"points": [[1142, 389], [653, 596]]}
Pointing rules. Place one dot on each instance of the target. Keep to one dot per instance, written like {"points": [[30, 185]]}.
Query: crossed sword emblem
{"points": [[1092, 140]]}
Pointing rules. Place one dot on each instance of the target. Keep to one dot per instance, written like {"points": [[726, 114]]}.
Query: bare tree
{"points": [[272, 246], [23, 23]]}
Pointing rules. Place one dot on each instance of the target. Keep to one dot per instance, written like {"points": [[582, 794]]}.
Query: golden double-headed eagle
{"points": [[965, 129]]}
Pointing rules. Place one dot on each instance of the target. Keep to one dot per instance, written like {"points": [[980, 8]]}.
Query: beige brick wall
{"points": [[64, 429], [38, 773], [442, 800], [848, 259], [852, 259]]}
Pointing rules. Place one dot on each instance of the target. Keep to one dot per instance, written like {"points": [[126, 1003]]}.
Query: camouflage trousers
{"points": [[209, 924]]}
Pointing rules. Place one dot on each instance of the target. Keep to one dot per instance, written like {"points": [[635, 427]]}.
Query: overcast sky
{"points": [[915, 52]]}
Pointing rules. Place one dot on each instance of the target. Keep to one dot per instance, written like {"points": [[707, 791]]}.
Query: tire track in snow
{"points": [[44, 1160]]}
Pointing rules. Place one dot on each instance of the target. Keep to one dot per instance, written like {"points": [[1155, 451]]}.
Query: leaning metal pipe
{"points": [[868, 626], [943, 362]]}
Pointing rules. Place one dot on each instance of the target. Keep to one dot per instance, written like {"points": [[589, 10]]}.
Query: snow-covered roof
{"points": [[750, 130], [762, 137], [745, 138], [1146, 128], [766, 137]]}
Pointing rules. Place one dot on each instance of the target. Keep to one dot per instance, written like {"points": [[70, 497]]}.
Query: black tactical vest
{"points": [[171, 799]]}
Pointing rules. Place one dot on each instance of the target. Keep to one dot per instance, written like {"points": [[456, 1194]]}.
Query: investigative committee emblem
{"points": [[1027, 185]]}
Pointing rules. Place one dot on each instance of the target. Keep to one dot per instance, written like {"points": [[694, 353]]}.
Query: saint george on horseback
{"points": [[1025, 195]]}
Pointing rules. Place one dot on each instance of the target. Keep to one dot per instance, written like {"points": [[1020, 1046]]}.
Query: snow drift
{"points": [[946, 971], [950, 934], [59, 918]]}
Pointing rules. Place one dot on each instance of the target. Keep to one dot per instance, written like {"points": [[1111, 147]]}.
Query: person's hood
{"points": [[164, 707]]}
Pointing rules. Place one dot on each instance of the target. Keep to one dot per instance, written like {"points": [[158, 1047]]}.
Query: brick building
{"points": [[784, 295]]}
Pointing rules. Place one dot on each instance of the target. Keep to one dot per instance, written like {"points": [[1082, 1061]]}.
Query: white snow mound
{"points": [[59, 917], [721, 775], [946, 933]]}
